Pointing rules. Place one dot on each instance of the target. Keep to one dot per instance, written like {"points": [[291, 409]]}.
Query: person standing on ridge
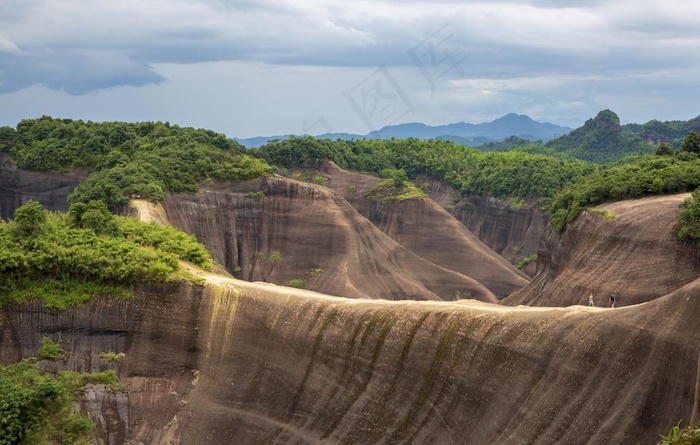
{"points": [[612, 301], [590, 300]]}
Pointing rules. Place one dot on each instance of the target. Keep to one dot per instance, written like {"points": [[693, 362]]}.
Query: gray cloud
{"points": [[560, 60]]}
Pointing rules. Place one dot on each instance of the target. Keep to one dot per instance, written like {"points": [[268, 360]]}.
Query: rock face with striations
{"points": [[428, 230], [18, 186], [313, 227], [633, 251], [250, 363], [512, 231]]}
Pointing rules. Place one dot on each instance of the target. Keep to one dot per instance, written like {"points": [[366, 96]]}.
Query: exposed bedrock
{"points": [[512, 231], [250, 363], [426, 229], [312, 227], [157, 330], [632, 251], [18, 186]]}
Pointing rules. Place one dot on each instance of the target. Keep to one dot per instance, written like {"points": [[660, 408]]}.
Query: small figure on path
{"points": [[590, 300], [612, 301]]}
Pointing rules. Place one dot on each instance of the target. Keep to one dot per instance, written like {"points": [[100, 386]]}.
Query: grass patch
{"points": [[387, 190], [525, 261], [256, 196], [112, 357], [605, 214], [297, 283]]}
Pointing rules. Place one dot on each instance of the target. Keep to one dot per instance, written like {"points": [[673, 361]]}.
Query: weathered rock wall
{"points": [[635, 253], [426, 229], [512, 232], [251, 363], [17, 186], [312, 227], [158, 332]]}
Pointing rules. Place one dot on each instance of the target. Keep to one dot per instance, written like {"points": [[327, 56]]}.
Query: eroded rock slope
{"points": [[250, 363], [313, 227], [632, 251]]}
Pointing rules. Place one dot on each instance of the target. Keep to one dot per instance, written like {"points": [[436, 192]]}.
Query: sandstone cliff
{"points": [[18, 186], [313, 227], [629, 248], [426, 229], [512, 231], [250, 363]]}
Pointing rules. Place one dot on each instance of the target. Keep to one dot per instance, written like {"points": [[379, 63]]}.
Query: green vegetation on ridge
{"points": [[673, 172], [470, 171], [145, 159], [66, 258]]}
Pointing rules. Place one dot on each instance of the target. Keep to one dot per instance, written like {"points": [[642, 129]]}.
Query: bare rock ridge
{"points": [[250, 363], [426, 229], [511, 232], [314, 227], [629, 248]]}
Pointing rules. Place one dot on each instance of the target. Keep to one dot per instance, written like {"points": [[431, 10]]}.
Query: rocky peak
{"points": [[605, 119]]}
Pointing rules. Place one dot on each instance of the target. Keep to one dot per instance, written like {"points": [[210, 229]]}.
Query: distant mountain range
{"points": [[464, 133]]}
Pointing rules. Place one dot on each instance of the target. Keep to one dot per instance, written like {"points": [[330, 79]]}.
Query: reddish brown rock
{"points": [[635, 254], [429, 231], [312, 227]]}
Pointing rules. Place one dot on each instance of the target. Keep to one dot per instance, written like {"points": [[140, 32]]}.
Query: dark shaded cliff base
{"points": [[18, 186]]}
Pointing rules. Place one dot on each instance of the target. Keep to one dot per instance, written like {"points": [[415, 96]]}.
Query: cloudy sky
{"points": [[248, 68]]}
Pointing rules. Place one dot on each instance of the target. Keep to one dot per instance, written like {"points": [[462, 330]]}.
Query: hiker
{"points": [[590, 300], [612, 301]]}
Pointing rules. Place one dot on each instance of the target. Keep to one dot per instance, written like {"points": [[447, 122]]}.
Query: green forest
{"points": [[144, 159], [65, 258]]}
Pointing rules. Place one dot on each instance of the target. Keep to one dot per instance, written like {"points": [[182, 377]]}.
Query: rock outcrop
{"points": [[17, 186], [250, 363], [429, 231], [629, 248], [513, 231], [312, 227]]}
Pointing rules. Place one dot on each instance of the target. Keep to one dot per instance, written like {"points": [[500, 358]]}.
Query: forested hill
{"points": [[145, 159], [516, 173], [601, 140]]}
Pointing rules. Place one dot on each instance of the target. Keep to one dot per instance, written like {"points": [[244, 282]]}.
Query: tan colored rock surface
{"points": [[311, 227], [636, 255], [250, 363], [428, 230]]}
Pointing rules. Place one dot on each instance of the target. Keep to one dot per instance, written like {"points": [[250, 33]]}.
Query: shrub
{"points": [[50, 350], [112, 357], [255, 195], [297, 282]]}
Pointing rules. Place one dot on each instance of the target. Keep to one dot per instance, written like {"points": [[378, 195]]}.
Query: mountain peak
{"points": [[605, 119]]}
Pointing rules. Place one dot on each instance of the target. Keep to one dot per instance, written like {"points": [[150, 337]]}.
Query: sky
{"points": [[258, 68]]}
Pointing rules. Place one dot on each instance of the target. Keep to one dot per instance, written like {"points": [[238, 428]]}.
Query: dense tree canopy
{"points": [[64, 258], [470, 171], [643, 176], [145, 159]]}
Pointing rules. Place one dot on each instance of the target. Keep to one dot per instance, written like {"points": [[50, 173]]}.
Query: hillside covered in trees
{"points": [[145, 159]]}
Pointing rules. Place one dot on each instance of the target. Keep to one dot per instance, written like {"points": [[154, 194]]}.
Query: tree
{"points": [[691, 143], [664, 150], [30, 216]]}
